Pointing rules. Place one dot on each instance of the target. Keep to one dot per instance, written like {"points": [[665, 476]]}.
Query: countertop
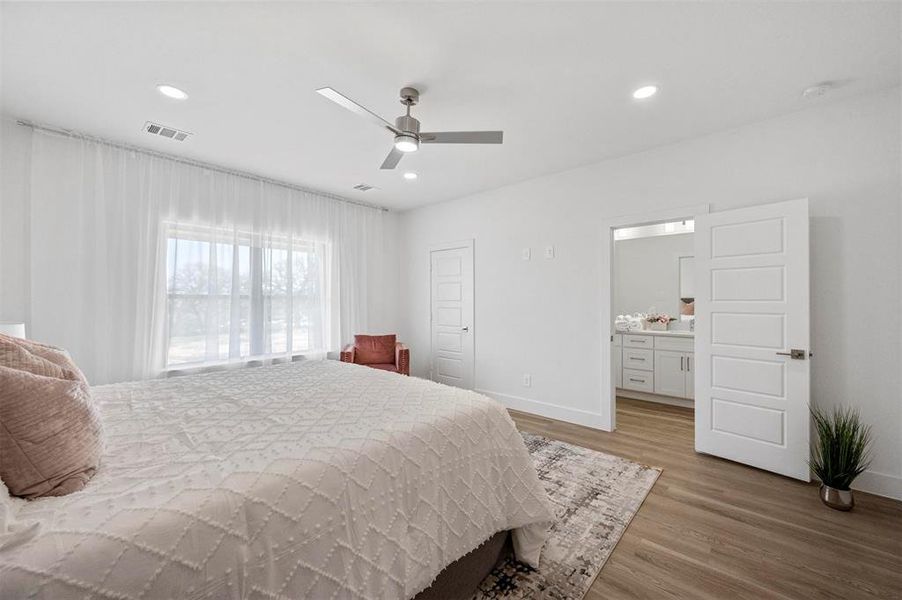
{"points": [[671, 333]]}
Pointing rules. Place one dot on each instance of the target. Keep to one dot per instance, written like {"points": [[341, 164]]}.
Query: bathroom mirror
{"points": [[687, 287]]}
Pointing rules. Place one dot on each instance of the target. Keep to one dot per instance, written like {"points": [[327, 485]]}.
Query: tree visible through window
{"points": [[234, 295]]}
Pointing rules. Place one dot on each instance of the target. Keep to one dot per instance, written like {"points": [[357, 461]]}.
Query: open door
{"points": [[752, 336]]}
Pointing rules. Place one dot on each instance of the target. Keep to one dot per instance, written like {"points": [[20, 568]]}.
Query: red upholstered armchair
{"points": [[379, 352]]}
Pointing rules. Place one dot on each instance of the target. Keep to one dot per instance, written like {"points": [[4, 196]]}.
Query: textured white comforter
{"points": [[315, 479]]}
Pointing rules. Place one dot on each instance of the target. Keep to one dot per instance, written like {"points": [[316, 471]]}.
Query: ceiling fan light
{"points": [[406, 143]]}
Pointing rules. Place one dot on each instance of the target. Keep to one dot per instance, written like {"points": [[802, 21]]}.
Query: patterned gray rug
{"points": [[595, 497]]}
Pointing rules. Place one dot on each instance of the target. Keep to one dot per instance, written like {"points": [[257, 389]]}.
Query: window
{"points": [[233, 295]]}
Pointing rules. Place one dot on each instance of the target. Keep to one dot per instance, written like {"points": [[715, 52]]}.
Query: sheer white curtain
{"points": [[141, 263]]}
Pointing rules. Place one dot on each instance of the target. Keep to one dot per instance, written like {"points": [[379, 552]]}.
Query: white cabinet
{"points": [[641, 381], [639, 358], [654, 364], [673, 376], [638, 341]]}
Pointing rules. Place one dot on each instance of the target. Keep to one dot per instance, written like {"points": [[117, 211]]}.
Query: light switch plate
{"points": [[527, 380], [525, 253], [549, 251]]}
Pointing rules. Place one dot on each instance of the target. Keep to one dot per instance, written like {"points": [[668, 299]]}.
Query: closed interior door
{"points": [[752, 332], [452, 316]]}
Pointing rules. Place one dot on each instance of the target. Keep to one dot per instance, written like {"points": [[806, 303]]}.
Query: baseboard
{"points": [[546, 409], [684, 402], [880, 484]]}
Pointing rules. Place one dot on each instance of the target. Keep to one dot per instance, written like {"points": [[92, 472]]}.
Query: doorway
{"points": [[451, 314], [749, 365]]}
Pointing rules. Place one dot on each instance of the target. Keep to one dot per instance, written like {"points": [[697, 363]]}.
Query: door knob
{"points": [[794, 353], [465, 329]]}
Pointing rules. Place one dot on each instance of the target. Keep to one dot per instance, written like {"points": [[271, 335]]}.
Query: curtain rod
{"points": [[194, 163]]}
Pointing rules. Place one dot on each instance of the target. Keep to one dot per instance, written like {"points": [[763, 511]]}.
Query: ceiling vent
{"points": [[165, 131], [364, 187]]}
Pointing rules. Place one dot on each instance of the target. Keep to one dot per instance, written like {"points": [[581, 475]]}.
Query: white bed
{"points": [[314, 479]]}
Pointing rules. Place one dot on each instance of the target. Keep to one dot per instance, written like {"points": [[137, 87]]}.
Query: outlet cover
{"points": [[549, 251]]}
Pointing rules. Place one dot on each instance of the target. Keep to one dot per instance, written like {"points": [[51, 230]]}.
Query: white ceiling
{"points": [[555, 77]]}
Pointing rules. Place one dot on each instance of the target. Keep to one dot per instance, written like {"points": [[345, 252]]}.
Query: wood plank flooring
{"points": [[711, 528]]}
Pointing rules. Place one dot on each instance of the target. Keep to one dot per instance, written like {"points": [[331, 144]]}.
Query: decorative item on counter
{"points": [[841, 453], [628, 323], [658, 322]]}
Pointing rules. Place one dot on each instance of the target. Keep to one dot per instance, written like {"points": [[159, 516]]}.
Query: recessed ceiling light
{"points": [[645, 92], [172, 92], [410, 175]]}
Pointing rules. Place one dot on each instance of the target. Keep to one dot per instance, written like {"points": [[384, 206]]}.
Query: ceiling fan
{"points": [[406, 129]]}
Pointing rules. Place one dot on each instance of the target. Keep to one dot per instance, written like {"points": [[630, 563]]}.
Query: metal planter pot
{"points": [[837, 499]]}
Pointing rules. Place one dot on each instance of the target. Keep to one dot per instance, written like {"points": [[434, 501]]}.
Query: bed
{"points": [[314, 479]]}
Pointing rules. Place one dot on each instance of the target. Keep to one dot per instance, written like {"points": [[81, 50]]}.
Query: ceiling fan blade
{"points": [[462, 137], [355, 108], [391, 161]]}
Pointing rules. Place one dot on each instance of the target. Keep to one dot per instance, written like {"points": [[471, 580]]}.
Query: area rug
{"points": [[595, 496]]}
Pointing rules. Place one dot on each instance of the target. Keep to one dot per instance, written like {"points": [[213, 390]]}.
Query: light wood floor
{"points": [[711, 528]]}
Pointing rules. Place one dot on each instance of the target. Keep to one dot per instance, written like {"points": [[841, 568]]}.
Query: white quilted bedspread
{"points": [[313, 479]]}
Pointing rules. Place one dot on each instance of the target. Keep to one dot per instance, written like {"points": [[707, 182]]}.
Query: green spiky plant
{"points": [[842, 449]]}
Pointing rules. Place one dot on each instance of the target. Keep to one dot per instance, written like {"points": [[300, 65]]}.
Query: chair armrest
{"points": [[402, 358], [347, 353]]}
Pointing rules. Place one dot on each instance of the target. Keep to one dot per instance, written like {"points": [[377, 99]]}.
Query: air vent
{"points": [[165, 131], [364, 187]]}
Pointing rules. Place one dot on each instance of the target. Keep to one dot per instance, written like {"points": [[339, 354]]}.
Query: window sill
{"points": [[242, 363]]}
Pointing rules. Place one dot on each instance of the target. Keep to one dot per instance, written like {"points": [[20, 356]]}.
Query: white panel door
{"points": [[752, 311], [452, 316]]}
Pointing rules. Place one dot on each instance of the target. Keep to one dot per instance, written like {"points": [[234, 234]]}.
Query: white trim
{"points": [[608, 400], [546, 409], [468, 243], [452, 246], [880, 484]]}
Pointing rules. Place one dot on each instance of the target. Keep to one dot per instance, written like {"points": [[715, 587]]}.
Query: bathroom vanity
{"points": [[655, 365]]}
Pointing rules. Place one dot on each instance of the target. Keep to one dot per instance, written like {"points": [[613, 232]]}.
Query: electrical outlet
{"points": [[549, 251], [525, 253], [527, 380]]}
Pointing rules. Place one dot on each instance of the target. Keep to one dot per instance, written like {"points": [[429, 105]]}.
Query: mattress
{"points": [[314, 479]]}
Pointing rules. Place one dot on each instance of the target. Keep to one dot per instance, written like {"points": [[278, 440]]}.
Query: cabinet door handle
{"points": [[688, 363], [633, 379], [682, 358], [637, 358]]}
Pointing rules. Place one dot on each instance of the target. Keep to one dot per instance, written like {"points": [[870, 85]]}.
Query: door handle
{"points": [[794, 353], [465, 328]]}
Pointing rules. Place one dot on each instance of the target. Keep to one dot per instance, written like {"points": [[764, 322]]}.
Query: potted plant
{"points": [[841, 453], [658, 322]]}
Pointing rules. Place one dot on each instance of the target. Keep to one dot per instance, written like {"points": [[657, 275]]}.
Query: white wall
{"points": [[541, 316], [647, 273]]}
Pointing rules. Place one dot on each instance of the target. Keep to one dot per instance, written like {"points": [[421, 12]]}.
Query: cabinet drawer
{"points": [[637, 358], [638, 341], [678, 344], [641, 381]]}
